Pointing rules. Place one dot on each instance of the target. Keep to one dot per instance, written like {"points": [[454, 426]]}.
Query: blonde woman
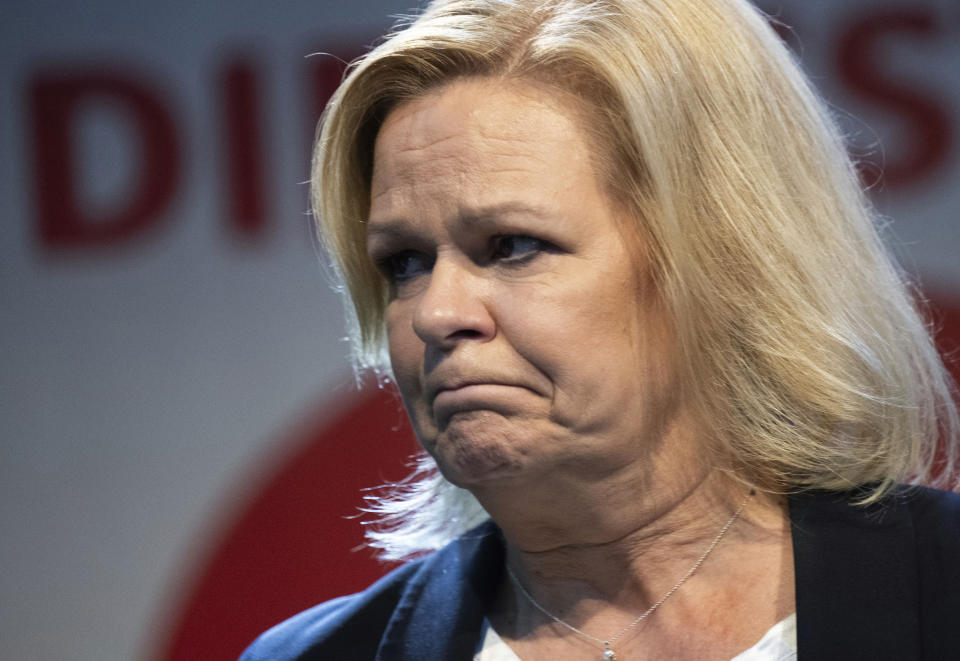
{"points": [[669, 383]]}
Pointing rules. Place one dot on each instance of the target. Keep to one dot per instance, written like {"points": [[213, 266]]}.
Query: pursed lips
{"points": [[455, 385], [473, 397], [459, 385]]}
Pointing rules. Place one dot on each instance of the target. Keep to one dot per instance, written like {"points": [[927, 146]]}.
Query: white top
{"points": [[778, 644]]}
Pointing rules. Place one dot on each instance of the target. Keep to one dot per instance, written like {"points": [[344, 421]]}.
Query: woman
{"points": [[621, 270]]}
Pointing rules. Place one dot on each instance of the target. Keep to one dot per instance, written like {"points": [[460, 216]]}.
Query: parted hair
{"points": [[801, 344]]}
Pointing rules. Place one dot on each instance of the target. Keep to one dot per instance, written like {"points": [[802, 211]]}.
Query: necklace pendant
{"points": [[608, 654]]}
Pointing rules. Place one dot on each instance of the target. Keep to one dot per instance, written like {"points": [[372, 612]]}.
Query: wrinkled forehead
{"points": [[507, 122]]}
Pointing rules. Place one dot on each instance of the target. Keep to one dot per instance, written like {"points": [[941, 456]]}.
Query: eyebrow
{"points": [[402, 228], [490, 213]]}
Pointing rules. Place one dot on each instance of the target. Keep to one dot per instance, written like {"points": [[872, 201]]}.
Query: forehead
{"points": [[488, 133]]}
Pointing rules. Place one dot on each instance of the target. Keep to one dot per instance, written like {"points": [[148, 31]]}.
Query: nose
{"points": [[453, 307]]}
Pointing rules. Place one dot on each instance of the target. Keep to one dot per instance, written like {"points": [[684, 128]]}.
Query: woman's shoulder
{"points": [[920, 504], [921, 518], [933, 506], [345, 623], [935, 521], [404, 603], [879, 580]]}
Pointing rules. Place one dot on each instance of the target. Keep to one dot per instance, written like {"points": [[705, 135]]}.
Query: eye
{"points": [[517, 247], [404, 266]]}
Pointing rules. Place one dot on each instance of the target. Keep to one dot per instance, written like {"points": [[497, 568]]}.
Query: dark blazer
{"points": [[874, 583]]}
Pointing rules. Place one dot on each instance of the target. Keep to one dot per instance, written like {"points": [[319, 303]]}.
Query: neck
{"points": [[604, 586], [598, 555], [611, 639], [616, 558]]}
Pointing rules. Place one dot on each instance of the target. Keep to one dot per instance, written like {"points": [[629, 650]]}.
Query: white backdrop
{"points": [[146, 379]]}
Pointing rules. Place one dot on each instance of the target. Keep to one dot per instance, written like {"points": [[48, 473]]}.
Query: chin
{"points": [[476, 449]]}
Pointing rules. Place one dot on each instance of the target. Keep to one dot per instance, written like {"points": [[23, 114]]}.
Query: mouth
{"points": [[475, 396], [459, 385]]}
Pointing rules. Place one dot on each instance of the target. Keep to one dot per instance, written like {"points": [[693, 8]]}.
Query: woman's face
{"points": [[524, 337]]}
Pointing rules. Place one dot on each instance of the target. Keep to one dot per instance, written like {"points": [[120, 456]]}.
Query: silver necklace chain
{"points": [[608, 653]]}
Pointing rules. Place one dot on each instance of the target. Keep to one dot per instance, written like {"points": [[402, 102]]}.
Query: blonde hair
{"points": [[800, 341]]}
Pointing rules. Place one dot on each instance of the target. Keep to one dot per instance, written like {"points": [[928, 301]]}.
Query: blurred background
{"points": [[182, 442]]}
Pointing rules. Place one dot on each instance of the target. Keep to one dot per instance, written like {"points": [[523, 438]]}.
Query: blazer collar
{"points": [[856, 578], [440, 614]]}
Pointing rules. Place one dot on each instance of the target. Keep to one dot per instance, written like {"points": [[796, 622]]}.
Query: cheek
{"points": [[605, 336], [405, 348]]}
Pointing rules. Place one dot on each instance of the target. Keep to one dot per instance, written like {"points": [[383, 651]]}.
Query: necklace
{"points": [[608, 653]]}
